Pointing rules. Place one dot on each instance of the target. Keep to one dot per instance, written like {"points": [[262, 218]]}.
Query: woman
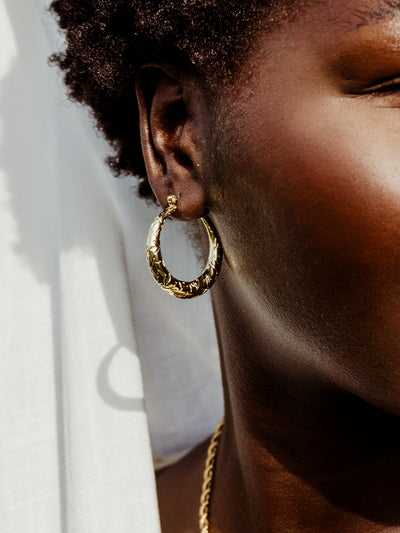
{"points": [[280, 122]]}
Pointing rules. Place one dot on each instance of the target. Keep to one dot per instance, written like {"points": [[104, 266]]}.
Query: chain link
{"points": [[208, 480]]}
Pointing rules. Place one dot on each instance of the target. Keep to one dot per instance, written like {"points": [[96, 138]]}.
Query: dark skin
{"points": [[307, 304]]}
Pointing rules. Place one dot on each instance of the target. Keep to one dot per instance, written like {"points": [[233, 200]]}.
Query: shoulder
{"points": [[179, 491]]}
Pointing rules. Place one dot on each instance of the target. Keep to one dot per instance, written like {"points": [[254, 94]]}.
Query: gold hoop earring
{"points": [[176, 287]]}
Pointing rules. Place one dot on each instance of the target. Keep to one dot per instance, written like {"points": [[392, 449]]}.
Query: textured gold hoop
{"points": [[176, 287]]}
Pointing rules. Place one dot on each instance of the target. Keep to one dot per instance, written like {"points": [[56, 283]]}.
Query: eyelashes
{"points": [[384, 88]]}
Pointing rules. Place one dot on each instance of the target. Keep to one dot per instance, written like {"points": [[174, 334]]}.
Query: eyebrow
{"points": [[382, 12]]}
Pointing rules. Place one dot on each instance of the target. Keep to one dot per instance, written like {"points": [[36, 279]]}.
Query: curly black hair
{"points": [[109, 40]]}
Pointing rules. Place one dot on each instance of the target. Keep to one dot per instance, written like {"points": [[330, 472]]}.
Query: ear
{"points": [[170, 117]]}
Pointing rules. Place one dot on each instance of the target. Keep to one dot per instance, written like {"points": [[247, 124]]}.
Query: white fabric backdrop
{"points": [[95, 360]]}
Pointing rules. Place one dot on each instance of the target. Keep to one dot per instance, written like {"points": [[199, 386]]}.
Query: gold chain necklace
{"points": [[208, 480]]}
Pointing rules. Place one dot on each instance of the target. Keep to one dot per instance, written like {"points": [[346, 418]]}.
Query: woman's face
{"points": [[309, 211]]}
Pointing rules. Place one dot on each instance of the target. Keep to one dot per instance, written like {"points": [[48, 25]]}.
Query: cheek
{"points": [[336, 197], [331, 189], [319, 238], [325, 187]]}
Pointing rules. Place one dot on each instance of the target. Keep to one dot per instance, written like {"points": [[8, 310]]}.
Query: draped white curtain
{"points": [[96, 362]]}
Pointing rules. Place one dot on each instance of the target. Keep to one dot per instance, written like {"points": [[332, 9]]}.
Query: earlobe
{"points": [[169, 141]]}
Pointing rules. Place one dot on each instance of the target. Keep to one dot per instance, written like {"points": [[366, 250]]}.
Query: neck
{"points": [[298, 453]]}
